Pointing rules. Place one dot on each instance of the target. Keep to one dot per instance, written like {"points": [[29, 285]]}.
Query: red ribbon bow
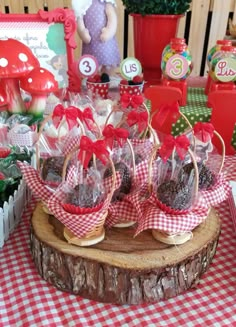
{"points": [[111, 134], [139, 118], [180, 144], [203, 131], [170, 111], [88, 148], [70, 113], [85, 116], [133, 101]]}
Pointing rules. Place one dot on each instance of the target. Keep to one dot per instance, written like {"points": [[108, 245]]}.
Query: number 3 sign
{"points": [[87, 66], [177, 67]]}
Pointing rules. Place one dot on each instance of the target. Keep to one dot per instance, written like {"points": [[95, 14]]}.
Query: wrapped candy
{"points": [[81, 201], [173, 207]]}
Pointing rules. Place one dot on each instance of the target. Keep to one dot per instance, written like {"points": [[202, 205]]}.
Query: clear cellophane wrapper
{"points": [[84, 191], [52, 146], [81, 201], [210, 161], [50, 156], [141, 135], [173, 188], [122, 208], [171, 201]]}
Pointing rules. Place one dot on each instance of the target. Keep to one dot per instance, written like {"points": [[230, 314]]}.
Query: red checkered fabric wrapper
{"points": [[232, 202], [81, 224], [154, 218], [128, 208], [218, 193], [70, 143], [143, 147], [34, 182]]}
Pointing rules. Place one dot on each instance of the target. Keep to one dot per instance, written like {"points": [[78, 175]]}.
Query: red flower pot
{"points": [[151, 34]]}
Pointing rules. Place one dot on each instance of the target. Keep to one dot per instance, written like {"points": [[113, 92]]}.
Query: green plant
{"points": [[153, 7]]}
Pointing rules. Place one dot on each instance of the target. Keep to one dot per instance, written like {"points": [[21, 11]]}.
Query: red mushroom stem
{"points": [[39, 83], [38, 104], [14, 99]]}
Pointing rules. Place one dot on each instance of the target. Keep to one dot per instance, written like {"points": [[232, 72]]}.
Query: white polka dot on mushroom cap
{"points": [[23, 57], [30, 80], [3, 62], [42, 71]]}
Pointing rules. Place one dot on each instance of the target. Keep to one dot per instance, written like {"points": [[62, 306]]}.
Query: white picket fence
{"points": [[12, 210]]}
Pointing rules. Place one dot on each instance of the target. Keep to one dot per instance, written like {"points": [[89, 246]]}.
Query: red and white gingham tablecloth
{"points": [[27, 300]]}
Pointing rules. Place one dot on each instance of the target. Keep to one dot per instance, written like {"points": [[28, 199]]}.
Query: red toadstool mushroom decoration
{"points": [[16, 60], [39, 83]]}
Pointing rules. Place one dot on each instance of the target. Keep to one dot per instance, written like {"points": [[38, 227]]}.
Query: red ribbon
{"points": [[88, 148], [170, 111], [139, 118], [180, 144], [133, 101], [70, 113], [203, 131], [85, 116], [111, 134]]}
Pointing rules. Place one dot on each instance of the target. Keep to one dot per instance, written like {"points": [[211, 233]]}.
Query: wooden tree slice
{"points": [[122, 269]]}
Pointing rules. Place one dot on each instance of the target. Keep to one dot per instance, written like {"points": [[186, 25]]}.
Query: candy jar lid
{"points": [[227, 48], [179, 47], [224, 42], [177, 40], [216, 48]]}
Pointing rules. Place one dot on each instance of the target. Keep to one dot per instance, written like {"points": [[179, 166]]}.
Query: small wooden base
{"points": [[121, 269], [84, 241]]}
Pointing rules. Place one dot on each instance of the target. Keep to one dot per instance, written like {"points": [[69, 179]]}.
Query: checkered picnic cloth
{"points": [[34, 182]]}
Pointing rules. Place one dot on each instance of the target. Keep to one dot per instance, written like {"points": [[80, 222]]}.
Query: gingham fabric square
{"points": [[154, 218], [34, 182], [218, 193]]}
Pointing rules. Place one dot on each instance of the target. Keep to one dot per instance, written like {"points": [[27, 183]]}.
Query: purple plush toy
{"points": [[97, 25]]}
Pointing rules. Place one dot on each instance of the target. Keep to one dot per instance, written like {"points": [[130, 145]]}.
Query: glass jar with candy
{"points": [[176, 60], [222, 64], [217, 47]]}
